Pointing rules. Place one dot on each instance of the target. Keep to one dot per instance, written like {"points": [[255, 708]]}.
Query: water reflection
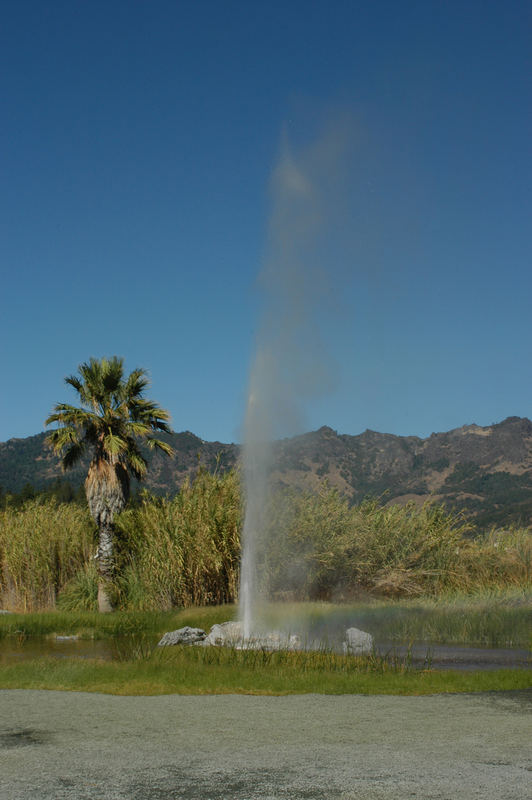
{"points": [[117, 649], [38, 647], [419, 654]]}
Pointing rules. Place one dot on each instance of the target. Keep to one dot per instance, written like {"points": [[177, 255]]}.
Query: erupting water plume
{"points": [[289, 365]]}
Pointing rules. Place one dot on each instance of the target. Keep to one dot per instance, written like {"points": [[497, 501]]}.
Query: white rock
{"points": [[227, 633], [186, 635], [230, 634], [272, 640], [357, 642]]}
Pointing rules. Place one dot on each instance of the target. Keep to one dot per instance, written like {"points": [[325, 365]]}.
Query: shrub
{"points": [[320, 548]]}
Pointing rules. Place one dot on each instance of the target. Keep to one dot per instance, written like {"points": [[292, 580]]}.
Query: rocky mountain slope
{"points": [[486, 471]]}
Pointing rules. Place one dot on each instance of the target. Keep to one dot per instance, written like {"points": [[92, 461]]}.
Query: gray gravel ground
{"points": [[306, 747]]}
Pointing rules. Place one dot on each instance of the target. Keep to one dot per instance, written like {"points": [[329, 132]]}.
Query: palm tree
{"points": [[112, 419]]}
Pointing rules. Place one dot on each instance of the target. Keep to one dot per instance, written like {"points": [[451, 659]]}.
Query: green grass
{"points": [[200, 671], [92, 625]]}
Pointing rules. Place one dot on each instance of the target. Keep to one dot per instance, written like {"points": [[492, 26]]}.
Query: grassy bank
{"points": [[92, 625], [495, 618], [222, 671]]}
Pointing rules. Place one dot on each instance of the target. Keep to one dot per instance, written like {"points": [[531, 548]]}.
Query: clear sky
{"points": [[137, 143]]}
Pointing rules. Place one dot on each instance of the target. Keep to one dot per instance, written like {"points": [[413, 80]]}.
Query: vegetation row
{"points": [[185, 551]]}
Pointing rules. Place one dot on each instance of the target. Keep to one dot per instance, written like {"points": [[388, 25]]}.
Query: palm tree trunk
{"points": [[107, 490], [105, 567]]}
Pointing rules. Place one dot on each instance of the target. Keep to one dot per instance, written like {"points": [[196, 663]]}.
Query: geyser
{"points": [[289, 365]]}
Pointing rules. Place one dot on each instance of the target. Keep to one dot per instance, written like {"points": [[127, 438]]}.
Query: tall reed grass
{"points": [[185, 551], [320, 548], [43, 548]]}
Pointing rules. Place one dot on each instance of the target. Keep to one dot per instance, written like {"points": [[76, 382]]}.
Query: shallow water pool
{"points": [[422, 655]]}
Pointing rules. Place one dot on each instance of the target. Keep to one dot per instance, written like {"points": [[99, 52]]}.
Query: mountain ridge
{"points": [[484, 471]]}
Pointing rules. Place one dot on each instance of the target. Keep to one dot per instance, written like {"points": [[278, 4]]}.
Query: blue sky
{"points": [[138, 142]]}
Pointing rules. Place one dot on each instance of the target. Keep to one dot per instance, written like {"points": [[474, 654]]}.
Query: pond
{"points": [[25, 648], [461, 657], [422, 655]]}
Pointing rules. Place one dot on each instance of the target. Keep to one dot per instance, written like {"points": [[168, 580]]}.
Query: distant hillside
{"points": [[487, 472], [31, 461]]}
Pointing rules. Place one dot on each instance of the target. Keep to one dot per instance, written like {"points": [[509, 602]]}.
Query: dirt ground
{"points": [[233, 747]]}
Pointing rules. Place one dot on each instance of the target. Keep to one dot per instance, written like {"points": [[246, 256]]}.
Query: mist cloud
{"points": [[290, 364]]}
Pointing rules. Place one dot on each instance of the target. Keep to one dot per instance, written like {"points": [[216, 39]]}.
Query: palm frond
{"points": [[66, 414], [160, 445], [135, 385], [92, 382], [140, 429], [151, 413], [137, 464], [112, 375], [62, 438], [114, 445], [74, 381], [74, 453]]}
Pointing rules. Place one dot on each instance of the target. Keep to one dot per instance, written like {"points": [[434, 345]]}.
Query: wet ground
{"points": [[461, 657], [12, 649], [64, 745], [422, 655]]}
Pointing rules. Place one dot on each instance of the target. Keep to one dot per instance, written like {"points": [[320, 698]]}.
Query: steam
{"points": [[290, 365]]}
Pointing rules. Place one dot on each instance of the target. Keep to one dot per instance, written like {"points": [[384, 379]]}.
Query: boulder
{"points": [[227, 633], [5, 611], [186, 635], [357, 642], [272, 640], [230, 634]]}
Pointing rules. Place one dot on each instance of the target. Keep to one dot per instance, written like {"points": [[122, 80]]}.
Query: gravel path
{"points": [[233, 747]]}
